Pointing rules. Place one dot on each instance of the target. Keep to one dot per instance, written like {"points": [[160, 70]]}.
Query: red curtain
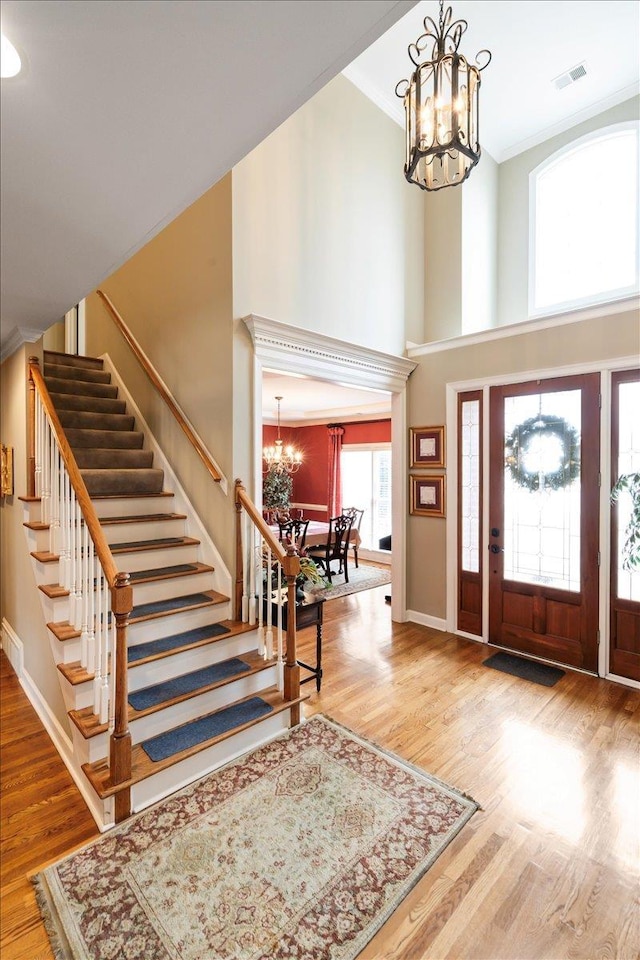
{"points": [[336, 432]]}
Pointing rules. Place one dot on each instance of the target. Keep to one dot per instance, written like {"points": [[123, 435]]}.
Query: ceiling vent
{"points": [[570, 76]]}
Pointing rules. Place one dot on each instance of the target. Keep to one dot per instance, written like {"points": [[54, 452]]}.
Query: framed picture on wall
{"points": [[427, 496], [427, 446]]}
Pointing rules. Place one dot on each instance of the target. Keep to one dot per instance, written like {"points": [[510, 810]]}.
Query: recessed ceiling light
{"points": [[10, 62]]}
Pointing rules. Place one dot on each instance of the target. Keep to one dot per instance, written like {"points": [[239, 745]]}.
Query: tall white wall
{"points": [[480, 247], [327, 234]]}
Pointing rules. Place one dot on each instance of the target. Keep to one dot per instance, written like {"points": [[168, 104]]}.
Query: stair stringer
{"points": [[223, 580]]}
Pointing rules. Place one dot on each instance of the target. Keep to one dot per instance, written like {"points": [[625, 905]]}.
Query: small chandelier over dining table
{"points": [[441, 106], [278, 458]]}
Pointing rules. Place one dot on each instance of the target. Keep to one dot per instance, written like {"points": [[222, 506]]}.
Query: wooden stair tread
{"points": [[36, 525], [53, 590], [88, 723], [169, 573], [45, 556], [135, 546], [142, 518], [142, 767], [63, 630], [75, 673], [130, 496], [213, 598]]}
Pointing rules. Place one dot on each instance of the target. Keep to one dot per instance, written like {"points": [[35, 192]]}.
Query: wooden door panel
{"points": [[537, 617], [624, 633]]}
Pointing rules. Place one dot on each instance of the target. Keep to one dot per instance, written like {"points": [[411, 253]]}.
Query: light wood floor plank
{"points": [[546, 870]]}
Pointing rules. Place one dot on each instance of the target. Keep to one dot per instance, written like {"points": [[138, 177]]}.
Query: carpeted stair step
{"points": [[191, 684], [165, 646], [102, 458], [123, 481], [83, 420], [188, 739], [75, 401], [99, 439], [168, 572], [72, 360], [160, 543], [80, 374], [163, 608], [58, 385]]}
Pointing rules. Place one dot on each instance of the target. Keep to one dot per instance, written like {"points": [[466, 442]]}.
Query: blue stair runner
{"points": [[174, 603], [190, 734], [165, 644], [177, 568], [187, 683]]}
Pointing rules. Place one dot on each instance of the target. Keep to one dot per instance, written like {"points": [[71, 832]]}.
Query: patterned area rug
{"points": [[360, 578], [301, 849]]}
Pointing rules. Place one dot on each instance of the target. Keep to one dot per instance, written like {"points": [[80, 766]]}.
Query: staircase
{"points": [[200, 693]]}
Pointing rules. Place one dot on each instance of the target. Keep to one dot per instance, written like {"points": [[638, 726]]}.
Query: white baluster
{"points": [[39, 450], [253, 559], [79, 620], [73, 586], [45, 468], [84, 594], [260, 574], [54, 508], [104, 692], [91, 598], [64, 528], [97, 681], [280, 667], [245, 565]]}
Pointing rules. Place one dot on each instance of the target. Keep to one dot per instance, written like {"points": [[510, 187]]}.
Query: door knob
{"points": [[495, 548]]}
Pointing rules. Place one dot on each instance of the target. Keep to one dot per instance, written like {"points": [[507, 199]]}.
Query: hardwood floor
{"points": [[547, 869]]}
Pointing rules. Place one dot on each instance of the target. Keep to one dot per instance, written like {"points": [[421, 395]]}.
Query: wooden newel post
{"points": [[120, 745], [31, 433], [239, 558], [291, 567]]}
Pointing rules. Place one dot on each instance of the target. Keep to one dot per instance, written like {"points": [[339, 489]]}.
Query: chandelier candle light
{"points": [[441, 106], [278, 458]]}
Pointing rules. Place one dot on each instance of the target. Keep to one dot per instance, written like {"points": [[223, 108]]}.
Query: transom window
{"points": [[584, 222]]}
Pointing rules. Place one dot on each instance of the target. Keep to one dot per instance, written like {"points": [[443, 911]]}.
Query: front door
{"points": [[543, 519]]}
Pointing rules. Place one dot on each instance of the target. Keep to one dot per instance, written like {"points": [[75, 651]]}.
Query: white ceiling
{"points": [[306, 401], [532, 42], [127, 112]]}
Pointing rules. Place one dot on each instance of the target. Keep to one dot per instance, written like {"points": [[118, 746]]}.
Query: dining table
{"points": [[318, 532]]}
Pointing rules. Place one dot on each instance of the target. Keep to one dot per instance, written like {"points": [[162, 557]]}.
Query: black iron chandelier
{"points": [[441, 106]]}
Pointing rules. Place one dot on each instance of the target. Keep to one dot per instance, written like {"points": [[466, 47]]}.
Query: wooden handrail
{"points": [[290, 563], [82, 494], [157, 381]]}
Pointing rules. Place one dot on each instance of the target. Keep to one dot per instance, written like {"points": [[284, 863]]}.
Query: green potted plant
{"points": [[630, 482], [276, 491]]}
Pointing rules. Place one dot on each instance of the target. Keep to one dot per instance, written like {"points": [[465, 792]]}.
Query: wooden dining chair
{"points": [[294, 530], [357, 515], [336, 547]]}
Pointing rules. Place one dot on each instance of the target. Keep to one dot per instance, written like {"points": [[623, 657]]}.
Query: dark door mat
{"points": [[525, 669]]}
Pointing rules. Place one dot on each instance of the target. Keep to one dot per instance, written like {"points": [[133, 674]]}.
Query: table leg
{"points": [[318, 656]]}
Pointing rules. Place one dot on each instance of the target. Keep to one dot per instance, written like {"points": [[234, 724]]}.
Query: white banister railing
{"points": [[100, 598]]}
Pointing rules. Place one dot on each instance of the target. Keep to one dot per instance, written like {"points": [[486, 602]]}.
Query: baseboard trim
{"points": [[14, 647], [425, 620], [625, 681]]}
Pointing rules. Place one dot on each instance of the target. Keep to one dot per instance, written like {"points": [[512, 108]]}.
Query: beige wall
{"points": [[20, 602], [443, 264], [176, 296], [327, 234], [513, 211], [590, 341]]}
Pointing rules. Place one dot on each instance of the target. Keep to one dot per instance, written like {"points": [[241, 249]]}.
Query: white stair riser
{"points": [[38, 539], [173, 623], [156, 671], [143, 530], [152, 559], [169, 587], [202, 704], [132, 506], [167, 781]]}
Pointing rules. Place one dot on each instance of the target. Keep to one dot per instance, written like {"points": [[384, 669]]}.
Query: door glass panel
{"points": [[541, 536], [470, 485], [366, 484], [628, 462]]}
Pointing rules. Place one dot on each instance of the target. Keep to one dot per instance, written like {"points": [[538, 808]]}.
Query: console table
{"points": [[308, 614]]}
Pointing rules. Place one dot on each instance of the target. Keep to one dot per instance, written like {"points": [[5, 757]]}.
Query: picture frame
{"points": [[427, 496], [427, 446], [6, 471]]}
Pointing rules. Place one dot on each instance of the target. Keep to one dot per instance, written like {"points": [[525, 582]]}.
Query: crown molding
{"points": [[16, 338], [326, 358]]}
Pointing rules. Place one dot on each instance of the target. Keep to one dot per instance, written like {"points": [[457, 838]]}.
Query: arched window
{"points": [[583, 241]]}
